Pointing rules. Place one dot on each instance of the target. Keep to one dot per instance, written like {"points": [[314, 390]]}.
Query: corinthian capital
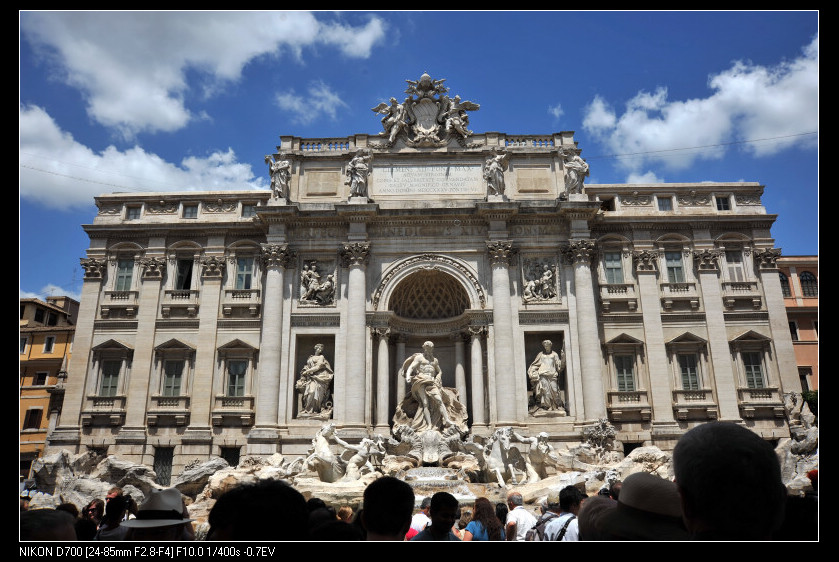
{"points": [[153, 267], [579, 251], [212, 266], [93, 268], [355, 253], [645, 260], [276, 255], [500, 252], [707, 259], [767, 258]]}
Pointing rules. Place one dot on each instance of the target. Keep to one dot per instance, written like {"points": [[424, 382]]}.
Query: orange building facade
{"points": [[46, 341], [800, 286]]}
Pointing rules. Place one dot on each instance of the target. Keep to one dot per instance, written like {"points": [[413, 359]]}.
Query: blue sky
{"points": [[173, 101]]}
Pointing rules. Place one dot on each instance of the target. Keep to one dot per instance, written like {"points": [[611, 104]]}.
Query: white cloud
{"points": [[319, 101], [748, 102], [646, 177], [61, 173], [556, 111], [49, 290], [131, 66]]}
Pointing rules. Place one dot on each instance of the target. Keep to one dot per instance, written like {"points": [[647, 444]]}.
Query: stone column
{"points": [[500, 253], [382, 380], [720, 356], [66, 435], [263, 438], [767, 262], [132, 435], [661, 386], [460, 368], [580, 253], [400, 359], [476, 333], [355, 256]]}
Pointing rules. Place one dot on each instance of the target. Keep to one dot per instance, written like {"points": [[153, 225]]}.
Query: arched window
{"points": [[809, 284], [785, 285]]}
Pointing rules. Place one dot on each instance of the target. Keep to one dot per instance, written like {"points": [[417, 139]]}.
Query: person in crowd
{"points": [[501, 511], [94, 511], [649, 509], [345, 514], [565, 526], [386, 512], [420, 519], [550, 511], [519, 520], [484, 525], [47, 525], [729, 480], [260, 511], [443, 514], [590, 517], [110, 528], [161, 517], [69, 508]]}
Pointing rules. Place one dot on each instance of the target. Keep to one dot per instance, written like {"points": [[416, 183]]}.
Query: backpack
{"points": [[537, 532], [561, 533]]}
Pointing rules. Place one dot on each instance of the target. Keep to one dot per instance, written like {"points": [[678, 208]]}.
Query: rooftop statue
{"points": [[576, 171], [280, 171]]}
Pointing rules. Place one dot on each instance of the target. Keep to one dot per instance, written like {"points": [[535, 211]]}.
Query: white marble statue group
{"points": [[429, 427]]}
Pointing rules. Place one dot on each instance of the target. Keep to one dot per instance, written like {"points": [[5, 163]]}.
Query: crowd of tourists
{"points": [[727, 487]]}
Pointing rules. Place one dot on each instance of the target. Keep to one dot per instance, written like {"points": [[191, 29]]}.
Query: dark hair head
{"points": [[265, 510], [426, 502], [443, 500], [388, 505], [722, 461], [569, 497]]}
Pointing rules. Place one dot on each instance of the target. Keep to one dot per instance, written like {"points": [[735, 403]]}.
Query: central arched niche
{"points": [[429, 295]]}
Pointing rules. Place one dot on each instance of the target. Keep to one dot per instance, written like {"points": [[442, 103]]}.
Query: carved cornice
{"points": [[162, 208], [707, 259], [113, 209], [500, 252], [277, 255], [645, 260], [93, 268], [579, 251], [153, 268], [355, 254], [767, 258], [747, 198]]}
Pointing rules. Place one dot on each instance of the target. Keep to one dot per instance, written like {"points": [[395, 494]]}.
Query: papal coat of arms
{"points": [[427, 117]]}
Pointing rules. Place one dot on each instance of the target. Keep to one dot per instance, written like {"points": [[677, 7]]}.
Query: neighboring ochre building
{"points": [[800, 287], [46, 341], [199, 309]]}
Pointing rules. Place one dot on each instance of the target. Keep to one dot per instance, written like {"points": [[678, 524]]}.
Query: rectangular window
{"points": [[625, 372], [190, 211], [244, 273], [734, 261], [754, 371], [32, 420], [665, 204], [804, 374], [689, 372], [236, 377], [40, 379], [132, 213], [39, 315], [793, 331], [110, 377], [49, 344], [723, 203], [163, 457], [23, 342], [125, 271], [183, 280], [248, 210], [613, 267], [673, 262], [172, 376]]}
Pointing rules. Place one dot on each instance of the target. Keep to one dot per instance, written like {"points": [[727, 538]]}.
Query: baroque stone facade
{"points": [[200, 311]]}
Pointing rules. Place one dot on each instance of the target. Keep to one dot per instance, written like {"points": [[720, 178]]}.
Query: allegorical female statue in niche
{"points": [[315, 385], [544, 374]]}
